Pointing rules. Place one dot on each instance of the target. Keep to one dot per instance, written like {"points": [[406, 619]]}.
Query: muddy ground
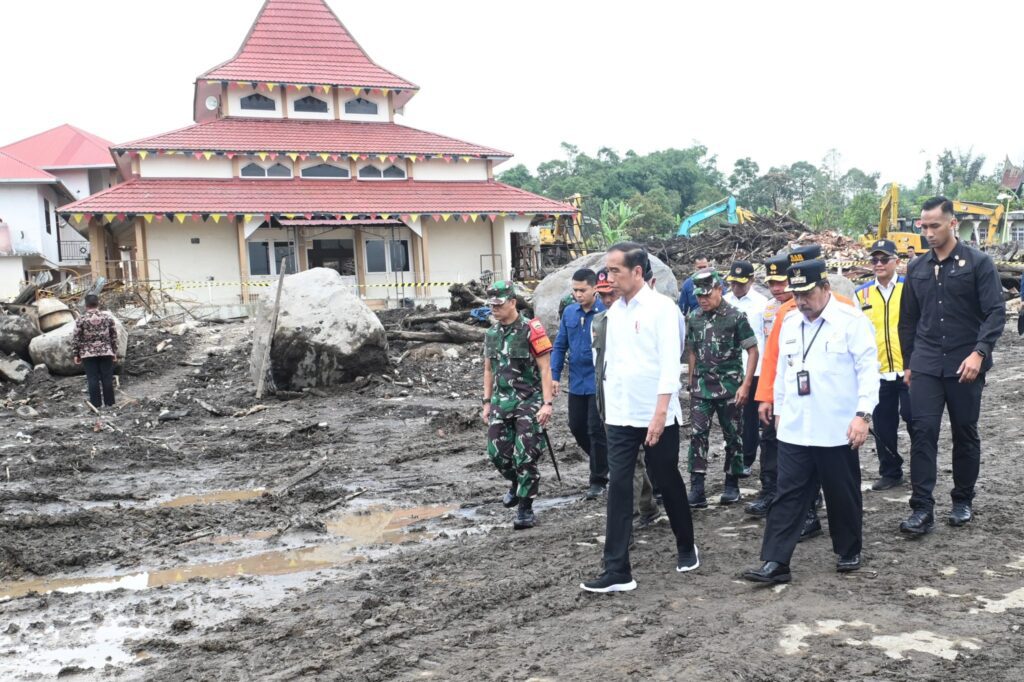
{"points": [[189, 548]]}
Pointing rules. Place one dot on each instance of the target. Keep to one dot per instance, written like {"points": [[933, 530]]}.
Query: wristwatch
{"points": [[982, 353], [866, 416], [486, 400], [549, 403]]}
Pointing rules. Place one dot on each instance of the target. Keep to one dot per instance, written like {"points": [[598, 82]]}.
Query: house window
{"points": [[258, 102], [370, 173], [265, 257], [1017, 231], [394, 173], [46, 212], [336, 254], [311, 104], [361, 106], [279, 170], [253, 170], [387, 256], [325, 170]]}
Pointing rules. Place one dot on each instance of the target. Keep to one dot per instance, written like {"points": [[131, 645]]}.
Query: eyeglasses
{"points": [[880, 260]]}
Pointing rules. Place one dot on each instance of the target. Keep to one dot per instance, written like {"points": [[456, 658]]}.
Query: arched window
{"points": [[370, 172], [311, 104], [324, 170], [360, 106], [258, 102], [394, 173], [253, 170], [279, 170]]}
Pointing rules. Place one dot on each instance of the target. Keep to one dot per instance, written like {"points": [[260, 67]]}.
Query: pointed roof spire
{"points": [[302, 41]]}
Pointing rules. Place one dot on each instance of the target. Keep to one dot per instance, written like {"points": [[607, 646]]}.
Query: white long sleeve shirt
{"points": [[752, 305], [842, 361], [642, 359]]}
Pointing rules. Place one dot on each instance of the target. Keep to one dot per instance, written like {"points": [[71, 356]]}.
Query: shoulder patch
{"points": [[539, 341]]}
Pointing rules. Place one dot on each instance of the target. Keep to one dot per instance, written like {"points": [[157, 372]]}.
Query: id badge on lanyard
{"points": [[803, 377]]}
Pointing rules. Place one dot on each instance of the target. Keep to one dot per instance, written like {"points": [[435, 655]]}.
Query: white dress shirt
{"points": [[642, 359], [752, 305], [843, 366]]}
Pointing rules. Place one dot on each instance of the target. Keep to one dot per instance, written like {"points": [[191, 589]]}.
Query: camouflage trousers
{"points": [[514, 441], [701, 411]]}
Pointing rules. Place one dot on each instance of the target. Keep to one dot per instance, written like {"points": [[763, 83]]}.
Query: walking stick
{"points": [[551, 451]]}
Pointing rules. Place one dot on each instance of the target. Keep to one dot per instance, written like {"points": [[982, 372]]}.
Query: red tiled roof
{"points": [[63, 147], [298, 196], [302, 41], [15, 170], [291, 135]]}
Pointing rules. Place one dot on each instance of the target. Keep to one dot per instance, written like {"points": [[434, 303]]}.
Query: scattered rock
{"points": [[16, 332], [451, 353], [26, 412], [172, 415], [13, 368], [325, 334]]}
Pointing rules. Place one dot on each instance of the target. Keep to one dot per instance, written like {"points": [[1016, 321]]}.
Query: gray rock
{"points": [[54, 349], [16, 332], [13, 368], [26, 412], [556, 285], [841, 286], [325, 334]]}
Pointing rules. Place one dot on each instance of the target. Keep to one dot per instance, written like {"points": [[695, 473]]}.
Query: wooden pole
{"points": [[261, 377]]}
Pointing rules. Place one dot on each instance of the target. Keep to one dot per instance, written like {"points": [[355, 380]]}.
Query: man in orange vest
{"points": [[880, 301]]}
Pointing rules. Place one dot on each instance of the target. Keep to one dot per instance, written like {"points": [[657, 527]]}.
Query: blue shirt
{"points": [[687, 299], [574, 337]]}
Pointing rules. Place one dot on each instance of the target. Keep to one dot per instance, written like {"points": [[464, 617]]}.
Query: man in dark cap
{"points": [[517, 400], [825, 389], [717, 334]]}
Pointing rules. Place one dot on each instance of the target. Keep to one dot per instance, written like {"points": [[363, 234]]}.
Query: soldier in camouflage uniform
{"points": [[517, 400], [716, 336]]}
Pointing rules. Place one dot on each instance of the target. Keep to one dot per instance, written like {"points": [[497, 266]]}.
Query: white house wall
{"points": [[215, 256], [455, 249], [235, 96], [22, 208], [184, 167], [76, 180], [12, 273], [454, 171]]}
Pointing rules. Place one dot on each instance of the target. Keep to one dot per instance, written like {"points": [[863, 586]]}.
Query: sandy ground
{"points": [[177, 550]]}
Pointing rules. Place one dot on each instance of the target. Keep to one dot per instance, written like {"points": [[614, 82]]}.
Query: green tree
{"points": [[656, 213], [860, 213], [744, 174]]}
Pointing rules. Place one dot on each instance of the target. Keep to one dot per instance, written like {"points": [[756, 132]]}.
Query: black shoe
{"points": [[812, 527], [960, 514], [770, 572], [659, 498], [819, 502], [696, 497], [731, 494], [759, 507], [510, 499], [887, 483], [594, 491], [745, 473], [847, 564], [647, 520], [688, 561], [606, 583], [525, 518], [918, 523]]}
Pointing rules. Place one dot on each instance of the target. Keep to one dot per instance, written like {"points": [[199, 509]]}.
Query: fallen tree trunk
{"points": [[461, 333], [434, 317], [401, 335]]}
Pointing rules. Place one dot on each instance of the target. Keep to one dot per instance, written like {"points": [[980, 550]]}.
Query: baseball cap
{"points": [[501, 291], [805, 276], [804, 253], [740, 271], [705, 281], [885, 246], [775, 269]]}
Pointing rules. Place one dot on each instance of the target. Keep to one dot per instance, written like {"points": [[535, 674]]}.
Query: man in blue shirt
{"points": [[574, 338], [688, 299]]}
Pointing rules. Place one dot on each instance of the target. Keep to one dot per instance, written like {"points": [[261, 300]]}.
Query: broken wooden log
{"points": [[309, 472], [427, 318], [401, 335], [461, 333]]}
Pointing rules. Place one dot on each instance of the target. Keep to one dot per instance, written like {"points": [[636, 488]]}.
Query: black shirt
{"points": [[949, 310]]}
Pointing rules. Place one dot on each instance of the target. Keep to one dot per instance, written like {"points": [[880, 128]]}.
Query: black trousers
{"points": [[893, 405], [928, 396], [769, 459], [99, 374], [801, 467], [624, 443], [588, 430], [751, 430]]}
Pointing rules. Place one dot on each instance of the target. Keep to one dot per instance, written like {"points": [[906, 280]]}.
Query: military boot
{"points": [[525, 518], [759, 507], [731, 494], [511, 499], [696, 497]]}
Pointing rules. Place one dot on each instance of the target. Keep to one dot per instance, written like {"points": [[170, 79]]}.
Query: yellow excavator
{"points": [[992, 212], [889, 225], [562, 239]]}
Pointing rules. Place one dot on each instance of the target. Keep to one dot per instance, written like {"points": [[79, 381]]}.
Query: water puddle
{"points": [[214, 497], [360, 530]]}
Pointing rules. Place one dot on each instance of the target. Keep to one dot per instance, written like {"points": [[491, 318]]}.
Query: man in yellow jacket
{"points": [[880, 301]]}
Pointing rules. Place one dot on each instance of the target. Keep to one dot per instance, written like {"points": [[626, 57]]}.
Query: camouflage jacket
{"points": [[511, 351], [95, 335], [719, 339]]}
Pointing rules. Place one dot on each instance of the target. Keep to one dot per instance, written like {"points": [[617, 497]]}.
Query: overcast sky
{"points": [[888, 84]]}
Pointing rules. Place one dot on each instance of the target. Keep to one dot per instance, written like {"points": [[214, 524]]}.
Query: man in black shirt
{"points": [[951, 315]]}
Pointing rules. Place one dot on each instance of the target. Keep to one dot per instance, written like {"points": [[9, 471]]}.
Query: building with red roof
{"points": [[38, 174], [295, 155]]}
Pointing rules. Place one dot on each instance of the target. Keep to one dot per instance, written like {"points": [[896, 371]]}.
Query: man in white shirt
{"points": [[825, 389], [752, 304], [641, 401]]}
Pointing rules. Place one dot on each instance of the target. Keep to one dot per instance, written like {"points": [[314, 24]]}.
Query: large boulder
{"points": [[325, 334], [54, 349], [841, 285], [13, 368], [555, 286], [16, 332]]}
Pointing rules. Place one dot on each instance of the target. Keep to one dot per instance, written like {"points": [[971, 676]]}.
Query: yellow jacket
{"points": [[884, 316]]}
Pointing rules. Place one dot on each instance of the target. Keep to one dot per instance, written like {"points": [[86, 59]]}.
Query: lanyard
{"points": [[807, 348]]}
